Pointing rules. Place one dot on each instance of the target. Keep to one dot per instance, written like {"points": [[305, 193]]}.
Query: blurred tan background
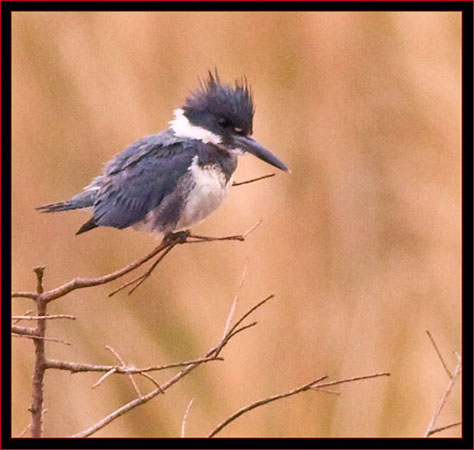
{"points": [[360, 243]]}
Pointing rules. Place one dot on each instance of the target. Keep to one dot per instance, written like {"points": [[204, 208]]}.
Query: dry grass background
{"points": [[360, 243]]}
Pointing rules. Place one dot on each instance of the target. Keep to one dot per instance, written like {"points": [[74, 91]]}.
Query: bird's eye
{"points": [[223, 123], [238, 130]]}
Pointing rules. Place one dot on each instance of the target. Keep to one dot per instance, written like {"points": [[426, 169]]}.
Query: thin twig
{"points": [[26, 314], [25, 430], [143, 277], [450, 375], [444, 398], [213, 352], [80, 367], [313, 385], [437, 430], [41, 338], [130, 376], [253, 180], [169, 241], [185, 418], [31, 295], [103, 377], [80, 283], [351, 380], [149, 377], [265, 401], [234, 301], [47, 317], [239, 237]]}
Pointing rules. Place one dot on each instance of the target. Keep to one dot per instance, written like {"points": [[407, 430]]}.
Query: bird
{"points": [[171, 180]]}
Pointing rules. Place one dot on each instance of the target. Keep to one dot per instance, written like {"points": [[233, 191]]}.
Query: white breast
{"points": [[210, 188]]}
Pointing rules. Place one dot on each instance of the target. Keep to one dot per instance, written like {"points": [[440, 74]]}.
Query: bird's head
{"points": [[222, 114]]}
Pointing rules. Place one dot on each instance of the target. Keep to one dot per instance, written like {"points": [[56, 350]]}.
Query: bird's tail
{"points": [[83, 200]]}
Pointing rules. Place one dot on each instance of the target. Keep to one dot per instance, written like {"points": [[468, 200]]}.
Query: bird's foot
{"points": [[178, 237]]}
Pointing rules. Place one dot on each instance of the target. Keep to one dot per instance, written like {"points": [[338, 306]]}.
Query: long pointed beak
{"points": [[250, 145]]}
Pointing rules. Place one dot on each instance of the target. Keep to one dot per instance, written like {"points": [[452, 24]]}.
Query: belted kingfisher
{"points": [[171, 180]]}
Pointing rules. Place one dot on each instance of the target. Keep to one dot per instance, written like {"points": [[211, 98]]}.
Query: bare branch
{"points": [[25, 430], [450, 375], [253, 180], [31, 295], [234, 301], [139, 280], [273, 398], [185, 417], [36, 408], [212, 353], [25, 315], [166, 245], [58, 341], [147, 375], [351, 380], [239, 237], [103, 378], [47, 317], [437, 430], [24, 330], [80, 283], [130, 376], [444, 398], [80, 367], [313, 385]]}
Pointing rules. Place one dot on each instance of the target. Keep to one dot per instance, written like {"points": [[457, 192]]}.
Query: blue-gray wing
{"points": [[138, 179]]}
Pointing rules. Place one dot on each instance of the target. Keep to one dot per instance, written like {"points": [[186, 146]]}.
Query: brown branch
{"points": [[31, 295], [36, 408], [351, 380], [47, 317], [212, 353], [25, 315], [450, 375], [313, 385], [437, 430], [140, 279], [33, 336], [24, 331], [443, 400], [169, 242], [185, 418], [253, 180], [33, 333], [80, 367], [130, 376], [273, 398]]}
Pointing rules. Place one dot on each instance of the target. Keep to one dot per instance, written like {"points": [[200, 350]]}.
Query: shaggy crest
{"points": [[233, 103]]}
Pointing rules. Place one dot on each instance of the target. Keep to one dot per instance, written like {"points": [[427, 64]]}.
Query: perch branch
{"points": [[169, 242]]}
